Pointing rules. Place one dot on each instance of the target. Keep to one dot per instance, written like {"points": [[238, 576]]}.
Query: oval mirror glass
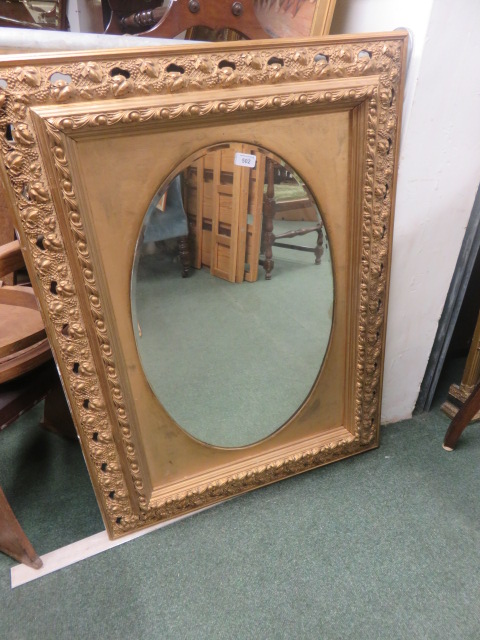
{"points": [[232, 294]]}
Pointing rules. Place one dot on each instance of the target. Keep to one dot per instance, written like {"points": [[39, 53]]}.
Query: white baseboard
{"points": [[77, 551]]}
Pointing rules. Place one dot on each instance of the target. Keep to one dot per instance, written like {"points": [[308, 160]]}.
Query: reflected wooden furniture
{"points": [[270, 239], [167, 220], [231, 219], [460, 394], [224, 208], [49, 14]]}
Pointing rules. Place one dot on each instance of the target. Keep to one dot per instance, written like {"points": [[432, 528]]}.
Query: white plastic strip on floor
{"points": [[77, 551]]}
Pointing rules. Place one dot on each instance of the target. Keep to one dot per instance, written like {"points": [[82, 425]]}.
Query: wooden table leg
{"points": [[268, 237], [319, 246], [185, 259], [462, 419], [13, 540]]}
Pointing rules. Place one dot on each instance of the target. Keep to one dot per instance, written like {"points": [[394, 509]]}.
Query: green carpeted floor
{"points": [[385, 545]]}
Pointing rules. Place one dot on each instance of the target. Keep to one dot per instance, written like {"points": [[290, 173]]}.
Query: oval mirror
{"points": [[232, 294]]}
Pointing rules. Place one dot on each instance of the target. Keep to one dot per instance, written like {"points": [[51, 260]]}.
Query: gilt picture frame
{"points": [[90, 136]]}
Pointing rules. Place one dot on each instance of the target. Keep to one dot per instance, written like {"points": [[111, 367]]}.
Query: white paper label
{"points": [[245, 160]]}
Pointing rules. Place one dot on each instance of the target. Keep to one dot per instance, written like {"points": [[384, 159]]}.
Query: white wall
{"points": [[439, 172], [365, 16]]}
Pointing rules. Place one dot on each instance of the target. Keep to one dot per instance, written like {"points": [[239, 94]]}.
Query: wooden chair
{"points": [[23, 341], [462, 419], [27, 376], [168, 20], [271, 239]]}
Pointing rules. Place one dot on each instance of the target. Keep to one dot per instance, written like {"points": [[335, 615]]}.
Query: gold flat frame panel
{"points": [[147, 169], [78, 157]]}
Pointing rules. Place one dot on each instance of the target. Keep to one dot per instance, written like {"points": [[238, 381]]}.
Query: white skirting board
{"points": [[77, 551]]}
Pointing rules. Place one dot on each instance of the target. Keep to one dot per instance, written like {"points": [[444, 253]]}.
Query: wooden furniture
{"points": [[22, 348], [27, 376], [13, 540], [16, 397], [458, 395], [7, 232], [282, 18], [172, 19], [23, 342], [467, 412]]}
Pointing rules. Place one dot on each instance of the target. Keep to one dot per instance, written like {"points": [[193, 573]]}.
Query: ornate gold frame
{"points": [[70, 161]]}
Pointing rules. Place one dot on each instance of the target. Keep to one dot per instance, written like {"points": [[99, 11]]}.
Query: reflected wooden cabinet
{"points": [[232, 208], [224, 203]]}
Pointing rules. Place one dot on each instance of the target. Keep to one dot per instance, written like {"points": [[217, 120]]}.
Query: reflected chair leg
{"points": [[184, 255], [319, 246], [462, 419], [268, 238]]}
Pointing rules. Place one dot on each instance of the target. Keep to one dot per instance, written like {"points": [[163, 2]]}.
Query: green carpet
{"points": [[385, 545]]}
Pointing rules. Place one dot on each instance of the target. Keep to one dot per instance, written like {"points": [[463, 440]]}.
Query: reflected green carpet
{"points": [[232, 362]]}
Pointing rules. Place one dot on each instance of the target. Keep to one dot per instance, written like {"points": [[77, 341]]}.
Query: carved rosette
{"points": [[34, 84]]}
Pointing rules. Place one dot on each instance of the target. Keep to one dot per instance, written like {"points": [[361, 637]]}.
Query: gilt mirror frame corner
{"points": [[83, 153]]}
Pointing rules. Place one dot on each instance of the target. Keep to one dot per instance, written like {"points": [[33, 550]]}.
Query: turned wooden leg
{"points": [[268, 241], [13, 540], [462, 419], [268, 237], [319, 246], [184, 255]]}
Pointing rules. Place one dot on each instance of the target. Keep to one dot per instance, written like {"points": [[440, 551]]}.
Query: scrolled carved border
{"points": [[163, 73]]}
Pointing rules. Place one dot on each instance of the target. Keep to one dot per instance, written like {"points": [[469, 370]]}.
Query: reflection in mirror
{"points": [[233, 350], [33, 14]]}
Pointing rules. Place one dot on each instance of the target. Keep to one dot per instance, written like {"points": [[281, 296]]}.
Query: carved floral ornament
{"points": [[91, 91]]}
